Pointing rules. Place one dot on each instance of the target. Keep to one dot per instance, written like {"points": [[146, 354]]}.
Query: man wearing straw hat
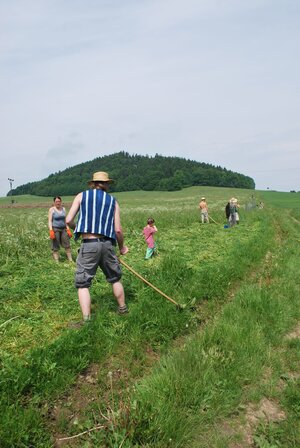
{"points": [[203, 210], [99, 225]]}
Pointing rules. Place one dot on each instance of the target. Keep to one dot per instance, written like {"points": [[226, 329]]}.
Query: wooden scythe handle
{"points": [[148, 283]]}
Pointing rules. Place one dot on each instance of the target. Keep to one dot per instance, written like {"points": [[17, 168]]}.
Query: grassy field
{"points": [[156, 377]]}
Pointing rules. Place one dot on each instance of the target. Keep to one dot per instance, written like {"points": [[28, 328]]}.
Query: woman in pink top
{"points": [[148, 232]]}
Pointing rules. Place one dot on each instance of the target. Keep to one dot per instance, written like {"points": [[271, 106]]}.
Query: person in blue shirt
{"points": [[99, 226]]}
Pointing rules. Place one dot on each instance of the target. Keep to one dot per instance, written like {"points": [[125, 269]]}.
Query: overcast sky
{"points": [[215, 81]]}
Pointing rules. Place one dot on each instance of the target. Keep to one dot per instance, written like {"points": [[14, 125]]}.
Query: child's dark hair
{"points": [[56, 197], [150, 221]]}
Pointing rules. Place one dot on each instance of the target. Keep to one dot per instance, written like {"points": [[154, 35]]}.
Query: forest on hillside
{"points": [[136, 172]]}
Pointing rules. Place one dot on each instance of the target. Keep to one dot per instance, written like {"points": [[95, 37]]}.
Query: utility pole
{"points": [[10, 183]]}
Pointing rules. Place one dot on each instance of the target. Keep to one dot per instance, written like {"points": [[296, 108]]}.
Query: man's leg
{"points": [[119, 294], [85, 302], [86, 268]]}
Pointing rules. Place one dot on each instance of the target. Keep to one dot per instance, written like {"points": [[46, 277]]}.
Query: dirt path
{"points": [[266, 411]]}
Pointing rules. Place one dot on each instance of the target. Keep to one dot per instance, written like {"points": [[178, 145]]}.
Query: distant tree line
{"points": [[135, 172]]}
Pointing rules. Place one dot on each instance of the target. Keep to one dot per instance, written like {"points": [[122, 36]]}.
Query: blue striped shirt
{"points": [[96, 214]]}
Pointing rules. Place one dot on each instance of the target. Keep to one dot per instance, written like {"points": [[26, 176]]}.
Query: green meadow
{"points": [[221, 371]]}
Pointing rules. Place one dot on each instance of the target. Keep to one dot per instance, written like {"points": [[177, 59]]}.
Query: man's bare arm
{"points": [[119, 231], [73, 211]]}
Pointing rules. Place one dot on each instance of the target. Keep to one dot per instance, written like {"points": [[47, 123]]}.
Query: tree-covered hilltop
{"points": [[135, 172]]}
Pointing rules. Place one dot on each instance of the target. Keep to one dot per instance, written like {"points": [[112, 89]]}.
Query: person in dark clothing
{"points": [[231, 212]]}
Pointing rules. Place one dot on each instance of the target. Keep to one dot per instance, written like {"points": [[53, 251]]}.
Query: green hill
{"points": [[135, 172]]}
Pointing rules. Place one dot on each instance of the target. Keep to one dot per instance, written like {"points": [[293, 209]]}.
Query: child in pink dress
{"points": [[148, 232]]}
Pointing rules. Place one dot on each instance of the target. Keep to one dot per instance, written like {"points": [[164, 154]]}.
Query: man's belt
{"points": [[93, 240]]}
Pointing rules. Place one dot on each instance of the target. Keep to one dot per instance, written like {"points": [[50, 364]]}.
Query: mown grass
{"points": [[41, 357], [175, 408], [281, 199]]}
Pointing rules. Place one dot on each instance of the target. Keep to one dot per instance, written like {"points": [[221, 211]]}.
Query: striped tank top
{"points": [[96, 214]]}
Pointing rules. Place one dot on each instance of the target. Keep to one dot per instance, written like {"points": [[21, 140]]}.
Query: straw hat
{"points": [[101, 176]]}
